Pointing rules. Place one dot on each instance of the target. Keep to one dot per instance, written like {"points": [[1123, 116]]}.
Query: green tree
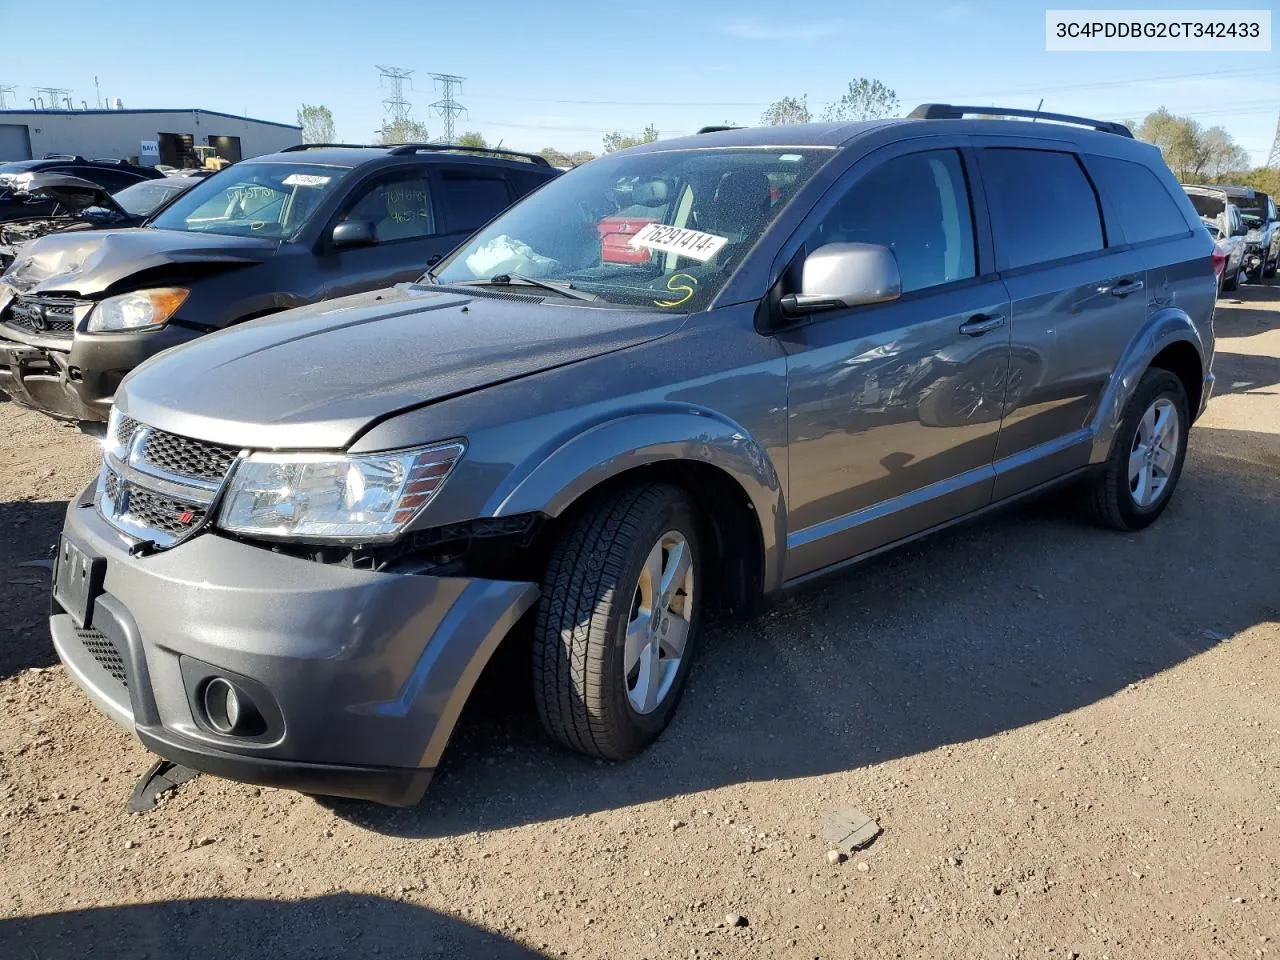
{"points": [[556, 158], [787, 110], [579, 157], [316, 123], [865, 99], [1191, 151], [472, 139], [616, 140], [403, 131]]}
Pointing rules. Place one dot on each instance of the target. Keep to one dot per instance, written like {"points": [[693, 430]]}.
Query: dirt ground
{"points": [[1071, 738]]}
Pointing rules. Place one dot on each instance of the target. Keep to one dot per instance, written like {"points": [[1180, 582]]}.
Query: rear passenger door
{"points": [[468, 197], [1076, 299]]}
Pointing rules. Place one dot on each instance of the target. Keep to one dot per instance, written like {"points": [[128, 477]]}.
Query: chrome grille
{"points": [[187, 458], [166, 514], [43, 315], [105, 652], [157, 486]]}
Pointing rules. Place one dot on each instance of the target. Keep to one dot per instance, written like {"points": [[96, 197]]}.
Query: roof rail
{"points": [[63, 156], [115, 160], [403, 149], [324, 146], [947, 111], [717, 129]]}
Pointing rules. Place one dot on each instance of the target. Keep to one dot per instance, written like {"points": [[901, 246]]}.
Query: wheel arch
{"points": [[727, 474], [1171, 341]]}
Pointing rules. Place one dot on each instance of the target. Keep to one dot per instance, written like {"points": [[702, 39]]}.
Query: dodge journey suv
{"points": [[311, 533]]}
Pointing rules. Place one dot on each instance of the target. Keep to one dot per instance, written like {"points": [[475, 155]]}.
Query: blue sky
{"points": [[552, 72]]}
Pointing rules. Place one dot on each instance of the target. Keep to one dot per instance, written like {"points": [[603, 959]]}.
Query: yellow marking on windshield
{"points": [[684, 288]]}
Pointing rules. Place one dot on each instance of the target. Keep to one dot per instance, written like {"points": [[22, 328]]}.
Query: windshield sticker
{"points": [[686, 288], [687, 243], [305, 180]]}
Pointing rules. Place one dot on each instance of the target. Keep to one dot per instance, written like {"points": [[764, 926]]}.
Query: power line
{"points": [[396, 105], [447, 106], [5, 90]]}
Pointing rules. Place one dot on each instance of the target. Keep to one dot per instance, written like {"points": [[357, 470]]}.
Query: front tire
{"points": [[1147, 454], [617, 621]]}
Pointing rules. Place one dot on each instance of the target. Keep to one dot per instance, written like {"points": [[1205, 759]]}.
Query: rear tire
{"points": [[1139, 477], [1230, 280], [617, 622]]}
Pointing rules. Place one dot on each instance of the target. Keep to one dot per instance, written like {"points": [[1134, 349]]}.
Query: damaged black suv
{"points": [[78, 311]]}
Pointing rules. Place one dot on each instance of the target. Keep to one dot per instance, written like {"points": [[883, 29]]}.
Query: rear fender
{"points": [[641, 437], [1164, 328]]}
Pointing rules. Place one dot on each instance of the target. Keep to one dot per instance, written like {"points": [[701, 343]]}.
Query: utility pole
{"points": [[1273, 161], [396, 105], [5, 90], [447, 106]]}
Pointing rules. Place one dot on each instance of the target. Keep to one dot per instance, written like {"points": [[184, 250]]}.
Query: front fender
{"points": [[550, 483], [1165, 327]]}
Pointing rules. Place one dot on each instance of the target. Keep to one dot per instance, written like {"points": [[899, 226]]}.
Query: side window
{"points": [[399, 207], [1042, 206], [1142, 203], [919, 207], [470, 200], [111, 180]]}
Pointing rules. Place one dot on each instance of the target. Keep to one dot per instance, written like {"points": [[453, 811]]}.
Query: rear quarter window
{"points": [[1043, 207], [1143, 206], [469, 201]]}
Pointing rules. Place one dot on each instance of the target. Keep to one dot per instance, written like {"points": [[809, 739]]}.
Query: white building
{"points": [[148, 137]]}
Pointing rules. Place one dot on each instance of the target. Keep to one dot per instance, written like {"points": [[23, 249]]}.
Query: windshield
{"points": [[252, 199], [1210, 207], [663, 229], [142, 198], [1254, 212]]}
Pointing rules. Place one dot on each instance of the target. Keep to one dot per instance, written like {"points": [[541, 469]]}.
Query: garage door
{"points": [[15, 143]]}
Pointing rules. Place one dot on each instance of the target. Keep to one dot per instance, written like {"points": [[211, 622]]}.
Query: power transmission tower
{"points": [[447, 106], [5, 90], [1273, 161], [396, 105]]}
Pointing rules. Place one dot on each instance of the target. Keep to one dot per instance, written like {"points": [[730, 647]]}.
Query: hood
{"points": [[315, 377], [85, 264], [71, 193]]}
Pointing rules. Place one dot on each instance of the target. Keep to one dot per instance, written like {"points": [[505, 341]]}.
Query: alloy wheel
{"points": [[1154, 452], [661, 614]]}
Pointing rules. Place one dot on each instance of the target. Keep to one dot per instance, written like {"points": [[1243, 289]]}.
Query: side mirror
{"points": [[839, 275], [354, 233]]}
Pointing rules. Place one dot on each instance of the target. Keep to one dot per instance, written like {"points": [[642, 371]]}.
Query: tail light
{"points": [[1219, 262]]}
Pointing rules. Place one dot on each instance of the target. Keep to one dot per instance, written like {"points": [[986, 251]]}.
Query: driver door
{"points": [[403, 210], [895, 407]]}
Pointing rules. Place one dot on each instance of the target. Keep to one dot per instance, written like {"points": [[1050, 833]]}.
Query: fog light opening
{"points": [[229, 710]]}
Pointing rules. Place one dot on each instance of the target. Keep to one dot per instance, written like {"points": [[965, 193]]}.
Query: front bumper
{"points": [[75, 378], [359, 676]]}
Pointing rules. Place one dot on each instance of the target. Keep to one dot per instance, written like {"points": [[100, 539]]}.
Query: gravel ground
{"points": [[1071, 738]]}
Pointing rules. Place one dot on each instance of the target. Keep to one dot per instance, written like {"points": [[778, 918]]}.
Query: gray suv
{"points": [[679, 379]]}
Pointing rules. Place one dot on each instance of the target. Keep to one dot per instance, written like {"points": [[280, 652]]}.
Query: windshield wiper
{"points": [[519, 279]]}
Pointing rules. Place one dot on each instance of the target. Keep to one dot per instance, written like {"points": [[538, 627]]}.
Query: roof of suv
{"points": [[355, 155], [992, 121]]}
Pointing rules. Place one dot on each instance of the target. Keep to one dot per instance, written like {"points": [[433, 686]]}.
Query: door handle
{"points": [[981, 323], [1124, 288]]}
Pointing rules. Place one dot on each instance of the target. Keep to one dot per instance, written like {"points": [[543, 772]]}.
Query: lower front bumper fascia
{"points": [[394, 786]]}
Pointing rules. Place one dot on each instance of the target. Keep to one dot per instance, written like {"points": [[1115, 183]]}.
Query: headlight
{"points": [[327, 497], [142, 309]]}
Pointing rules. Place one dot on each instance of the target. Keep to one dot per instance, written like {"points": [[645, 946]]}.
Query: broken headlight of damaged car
{"points": [[138, 310], [334, 498]]}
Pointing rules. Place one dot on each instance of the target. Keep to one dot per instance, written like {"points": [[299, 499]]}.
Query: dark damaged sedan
{"points": [[79, 310]]}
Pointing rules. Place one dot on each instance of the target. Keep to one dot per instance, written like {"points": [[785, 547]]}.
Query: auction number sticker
{"points": [[687, 243], [306, 180]]}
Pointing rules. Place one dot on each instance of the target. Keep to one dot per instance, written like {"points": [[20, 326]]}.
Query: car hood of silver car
{"points": [[314, 378]]}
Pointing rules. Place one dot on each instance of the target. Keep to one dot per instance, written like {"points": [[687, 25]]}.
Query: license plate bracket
{"points": [[77, 580]]}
